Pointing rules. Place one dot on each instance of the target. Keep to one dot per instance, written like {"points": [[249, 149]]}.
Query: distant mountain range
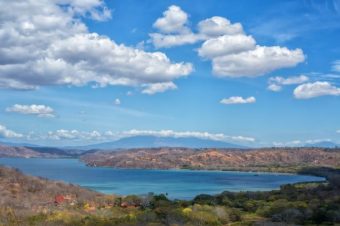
{"points": [[154, 142], [144, 142], [324, 144]]}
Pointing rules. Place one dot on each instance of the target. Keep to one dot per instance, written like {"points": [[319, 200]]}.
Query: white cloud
{"points": [[288, 143], [202, 135], [173, 29], [6, 133], [289, 81], [314, 141], [238, 100], [257, 62], [166, 41], [94, 9], [226, 44], [173, 21], [54, 47], [276, 83], [300, 143], [316, 89], [109, 135], [336, 66], [117, 101], [338, 131], [217, 26], [63, 134], [158, 87], [233, 53], [34, 109], [274, 87]]}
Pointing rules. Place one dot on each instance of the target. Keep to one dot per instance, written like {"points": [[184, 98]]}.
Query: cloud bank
{"points": [[7, 133], [34, 109], [89, 136], [46, 43], [231, 51]]}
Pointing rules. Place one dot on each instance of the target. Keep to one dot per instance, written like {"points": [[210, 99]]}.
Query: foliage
{"points": [[297, 204]]}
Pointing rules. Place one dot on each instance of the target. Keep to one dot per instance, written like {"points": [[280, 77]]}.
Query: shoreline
{"points": [[257, 170]]}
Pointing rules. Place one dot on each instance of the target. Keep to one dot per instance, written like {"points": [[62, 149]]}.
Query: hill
{"points": [[270, 159], [154, 142], [27, 201], [34, 152]]}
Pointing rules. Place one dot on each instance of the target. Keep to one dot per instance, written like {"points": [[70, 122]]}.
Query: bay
{"points": [[178, 184]]}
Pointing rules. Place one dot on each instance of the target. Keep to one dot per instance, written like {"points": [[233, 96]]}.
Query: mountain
{"points": [[4, 143], [153, 142], [324, 144]]}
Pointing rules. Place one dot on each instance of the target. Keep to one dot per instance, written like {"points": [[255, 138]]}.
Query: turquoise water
{"points": [[179, 184]]}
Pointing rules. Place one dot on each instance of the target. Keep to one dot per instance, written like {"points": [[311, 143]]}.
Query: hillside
{"points": [[29, 194], [33, 152], [28, 201], [222, 159], [23, 152]]}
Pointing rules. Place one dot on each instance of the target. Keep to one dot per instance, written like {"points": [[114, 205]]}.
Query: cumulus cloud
{"points": [[316, 89], [54, 47], [173, 21], [238, 100], [158, 87], [232, 52], [7, 133], [34, 109], [226, 44], [256, 62], [276, 83], [217, 26], [109, 135], [182, 35], [170, 40], [274, 87]]}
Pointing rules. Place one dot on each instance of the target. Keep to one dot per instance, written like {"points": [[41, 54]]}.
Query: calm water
{"points": [[180, 184]]}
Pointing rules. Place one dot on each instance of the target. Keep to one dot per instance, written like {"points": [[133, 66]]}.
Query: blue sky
{"points": [[258, 73]]}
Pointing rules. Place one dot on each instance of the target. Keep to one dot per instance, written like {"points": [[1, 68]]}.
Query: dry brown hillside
{"points": [[164, 158], [28, 194]]}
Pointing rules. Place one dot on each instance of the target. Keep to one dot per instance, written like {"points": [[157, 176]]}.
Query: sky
{"points": [[256, 73]]}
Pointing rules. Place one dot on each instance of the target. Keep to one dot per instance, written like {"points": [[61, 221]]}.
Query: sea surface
{"points": [[178, 184]]}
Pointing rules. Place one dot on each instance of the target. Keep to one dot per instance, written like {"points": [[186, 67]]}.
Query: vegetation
{"points": [[23, 202], [262, 159]]}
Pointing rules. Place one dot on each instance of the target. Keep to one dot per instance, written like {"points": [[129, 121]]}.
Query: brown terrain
{"points": [[22, 152], [32, 194], [33, 152], [268, 159]]}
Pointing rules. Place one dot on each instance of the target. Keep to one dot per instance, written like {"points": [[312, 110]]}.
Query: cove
{"points": [[178, 184]]}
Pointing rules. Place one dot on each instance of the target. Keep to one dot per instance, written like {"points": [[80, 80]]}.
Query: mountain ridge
{"points": [[156, 142]]}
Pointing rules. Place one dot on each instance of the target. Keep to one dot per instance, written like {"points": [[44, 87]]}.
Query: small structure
{"points": [[124, 205], [59, 199]]}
